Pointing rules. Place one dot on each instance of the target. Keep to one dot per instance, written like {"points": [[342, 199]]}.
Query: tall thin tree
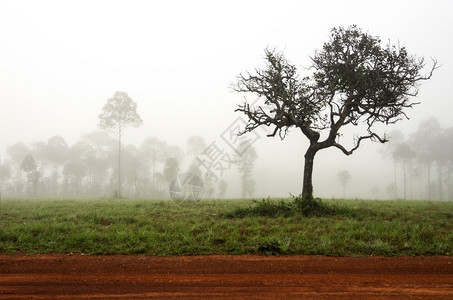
{"points": [[119, 113]]}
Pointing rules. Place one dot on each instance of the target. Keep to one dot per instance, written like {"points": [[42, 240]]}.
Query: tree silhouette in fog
{"points": [[344, 177], [244, 158], [28, 165], [403, 153], [119, 113]]}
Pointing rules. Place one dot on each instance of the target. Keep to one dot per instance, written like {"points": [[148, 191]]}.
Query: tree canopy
{"points": [[119, 113]]}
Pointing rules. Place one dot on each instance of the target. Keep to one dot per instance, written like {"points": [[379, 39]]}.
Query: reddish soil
{"points": [[224, 277]]}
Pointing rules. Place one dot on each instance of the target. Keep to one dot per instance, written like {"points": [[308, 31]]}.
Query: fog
{"points": [[61, 61]]}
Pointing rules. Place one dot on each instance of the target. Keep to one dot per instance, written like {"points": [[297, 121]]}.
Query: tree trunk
{"points": [[307, 188]]}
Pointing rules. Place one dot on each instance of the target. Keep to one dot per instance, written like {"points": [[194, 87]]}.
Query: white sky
{"points": [[61, 60]]}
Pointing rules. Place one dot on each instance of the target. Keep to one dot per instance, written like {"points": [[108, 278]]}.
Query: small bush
{"points": [[270, 208], [309, 206]]}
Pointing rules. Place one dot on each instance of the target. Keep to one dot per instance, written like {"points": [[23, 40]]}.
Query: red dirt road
{"points": [[224, 277]]}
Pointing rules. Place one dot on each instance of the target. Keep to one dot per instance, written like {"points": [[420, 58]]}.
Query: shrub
{"points": [[309, 206], [271, 208]]}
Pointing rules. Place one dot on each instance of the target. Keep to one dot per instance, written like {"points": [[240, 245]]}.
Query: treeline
{"points": [[89, 168], [423, 163]]}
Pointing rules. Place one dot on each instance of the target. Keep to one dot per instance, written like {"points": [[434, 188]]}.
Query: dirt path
{"points": [[224, 277]]}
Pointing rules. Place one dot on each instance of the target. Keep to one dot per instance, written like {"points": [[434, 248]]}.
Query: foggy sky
{"points": [[61, 60]]}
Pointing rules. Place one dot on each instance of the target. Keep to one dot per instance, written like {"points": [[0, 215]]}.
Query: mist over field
{"points": [[62, 61]]}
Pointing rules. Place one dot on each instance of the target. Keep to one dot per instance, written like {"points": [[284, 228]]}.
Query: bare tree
{"points": [[354, 80], [119, 113]]}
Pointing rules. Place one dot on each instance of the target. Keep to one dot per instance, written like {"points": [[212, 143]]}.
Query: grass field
{"points": [[358, 228]]}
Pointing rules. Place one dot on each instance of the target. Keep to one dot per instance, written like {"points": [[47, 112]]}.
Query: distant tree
{"points": [[38, 150], [101, 141], [17, 152], [391, 190], [424, 140], [404, 154], [99, 157], [417, 174], [355, 80], [396, 137], [80, 158], [119, 113], [244, 158], [174, 152], [73, 173], [153, 152], [194, 168], [5, 170], [344, 178], [131, 170], [29, 166], [222, 187], [161, 183], [196, 145], [250, 188], [54, 153], [442, 153], [5, 175], [56, 150], [448, 136], [209, 188], [171, 169]]}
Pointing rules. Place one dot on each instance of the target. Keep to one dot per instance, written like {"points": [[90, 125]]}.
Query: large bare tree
{"points": [[119, 113], [354, 80]]}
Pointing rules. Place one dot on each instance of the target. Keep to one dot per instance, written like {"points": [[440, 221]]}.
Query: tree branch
{"points": [[371, 136]]}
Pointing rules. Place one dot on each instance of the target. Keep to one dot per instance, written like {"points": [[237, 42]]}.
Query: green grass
{"points": [[355, 228]]}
